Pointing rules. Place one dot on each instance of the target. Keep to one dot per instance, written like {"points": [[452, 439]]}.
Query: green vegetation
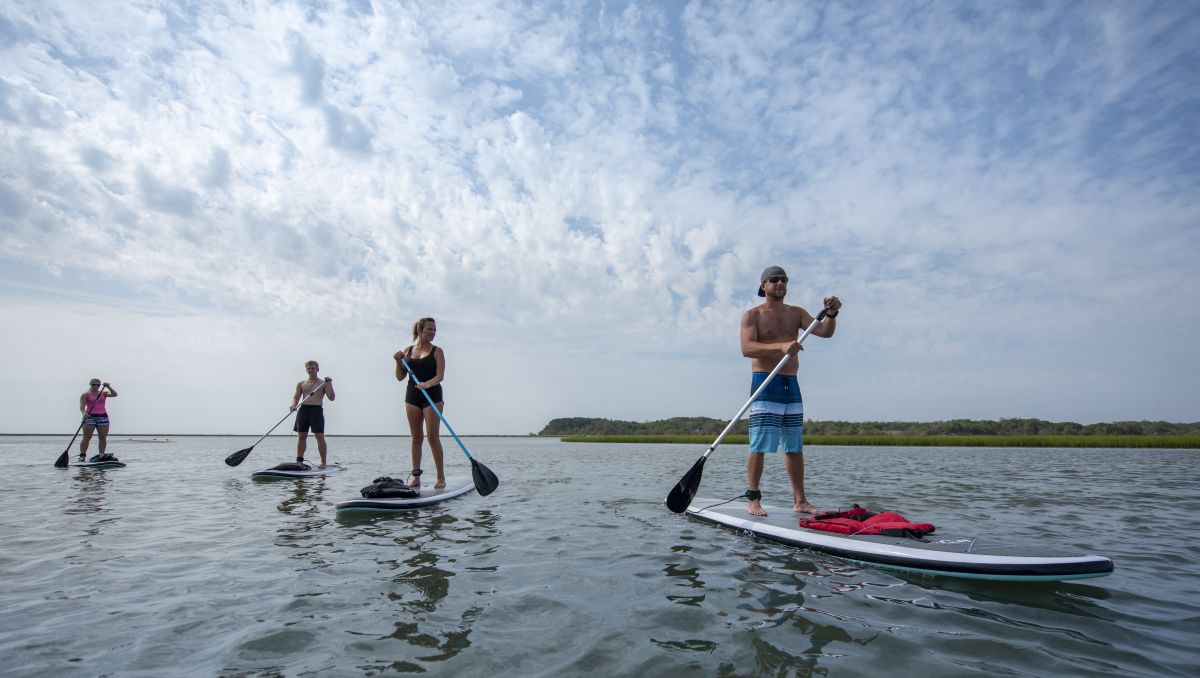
{"points": [[586, 426], [953, 433], [1176, 441]]}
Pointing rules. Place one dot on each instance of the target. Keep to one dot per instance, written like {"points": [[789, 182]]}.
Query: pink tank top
{"points": [[95, 403]]}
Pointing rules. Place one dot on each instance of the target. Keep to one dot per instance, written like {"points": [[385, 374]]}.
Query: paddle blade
{"points": [[486, 482], [61, 462], [238, 457], [683, 492]]}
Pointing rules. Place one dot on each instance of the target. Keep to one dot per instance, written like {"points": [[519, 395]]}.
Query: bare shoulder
{"points": [[797, 311], [753, 313]]}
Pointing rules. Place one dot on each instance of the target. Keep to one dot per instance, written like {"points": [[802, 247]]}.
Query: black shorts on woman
{"points": [[423, 369]]}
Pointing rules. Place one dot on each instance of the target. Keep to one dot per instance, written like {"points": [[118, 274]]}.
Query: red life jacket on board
{"points": [[858, 520]]}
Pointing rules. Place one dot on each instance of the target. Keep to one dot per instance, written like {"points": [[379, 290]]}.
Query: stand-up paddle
{"points": [[683, 492], [486, 482], [240, 456], [63, 460]]}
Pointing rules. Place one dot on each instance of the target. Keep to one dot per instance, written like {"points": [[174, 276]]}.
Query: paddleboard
{"points": [[455, 487], [313, 472], [934, 554], [99, 464]]}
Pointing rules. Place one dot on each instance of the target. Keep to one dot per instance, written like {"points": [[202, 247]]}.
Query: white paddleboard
{"points": [[455, 487], [951, 556]]}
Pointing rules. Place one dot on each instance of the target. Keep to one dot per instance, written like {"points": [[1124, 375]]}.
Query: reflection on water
{"points": [[777, 589], [89, 486], [89, 489], [1067, 597], [690, 576], [421, 554], [305, 498], [304, 530]]}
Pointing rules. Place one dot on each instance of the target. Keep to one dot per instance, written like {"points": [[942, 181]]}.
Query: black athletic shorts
{"points": [[310, 416], [413, 395]]}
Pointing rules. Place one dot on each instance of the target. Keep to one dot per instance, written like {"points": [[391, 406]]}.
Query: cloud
{"points": [[346, 132], [96, 159], [165, 198], [22, 106], [309, 67], [216, 173], [12, 205]]}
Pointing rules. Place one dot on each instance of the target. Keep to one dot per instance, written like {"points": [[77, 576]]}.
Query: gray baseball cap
{"points": [[769, 272]]}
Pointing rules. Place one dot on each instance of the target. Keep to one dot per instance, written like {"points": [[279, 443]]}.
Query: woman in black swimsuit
{"points": [[428, 369]]}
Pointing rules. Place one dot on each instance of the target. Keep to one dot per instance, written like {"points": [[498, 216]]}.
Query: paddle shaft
{"points": [[435, 409], [314, 392], [763, 386]]}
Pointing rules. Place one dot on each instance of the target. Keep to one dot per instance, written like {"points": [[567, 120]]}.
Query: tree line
{"points": [[589, 426]]}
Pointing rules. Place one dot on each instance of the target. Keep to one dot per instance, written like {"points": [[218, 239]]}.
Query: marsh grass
{"points": [[1185, 442]]}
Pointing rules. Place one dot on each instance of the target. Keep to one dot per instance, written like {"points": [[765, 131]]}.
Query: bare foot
{"points": [[321, 466], [804, 507], [414, 481], [439, 484], [754, 508]]}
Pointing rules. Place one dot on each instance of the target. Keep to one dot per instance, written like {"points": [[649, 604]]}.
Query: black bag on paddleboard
{"points": [[291, 466], [389, 488], [107, 456]]}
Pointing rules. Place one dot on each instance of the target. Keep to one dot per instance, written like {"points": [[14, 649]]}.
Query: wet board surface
{"points": [[98, 464], [455, 487], [985, 557], [314, 472]]}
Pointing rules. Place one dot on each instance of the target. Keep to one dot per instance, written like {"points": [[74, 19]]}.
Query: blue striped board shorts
{"points": [[777, 415], [95, 419]]}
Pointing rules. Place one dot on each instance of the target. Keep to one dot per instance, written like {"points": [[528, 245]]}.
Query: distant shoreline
{"points": [[1059, 441], [880, 432]]}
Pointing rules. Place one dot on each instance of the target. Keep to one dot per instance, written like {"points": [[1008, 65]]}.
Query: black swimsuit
{"points": [[423, 369]]}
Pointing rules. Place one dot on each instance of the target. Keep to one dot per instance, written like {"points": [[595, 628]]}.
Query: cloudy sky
{"points": [[195, 198]]}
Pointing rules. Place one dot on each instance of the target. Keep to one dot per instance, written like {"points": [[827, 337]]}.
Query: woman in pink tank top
{"points": [[95, 415]]}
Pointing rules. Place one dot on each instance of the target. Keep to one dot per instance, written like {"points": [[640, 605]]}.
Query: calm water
{"points": [[180, 565]]}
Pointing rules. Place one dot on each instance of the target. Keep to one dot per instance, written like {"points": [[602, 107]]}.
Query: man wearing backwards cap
{"points": [[769, 332]]}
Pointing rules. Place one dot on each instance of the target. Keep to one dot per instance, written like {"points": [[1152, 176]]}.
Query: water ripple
{"points": [[570, 569]]}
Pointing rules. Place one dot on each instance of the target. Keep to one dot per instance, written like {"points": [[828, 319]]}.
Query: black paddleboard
{"points": [[428, 496], [99, 464], [310, 472]]}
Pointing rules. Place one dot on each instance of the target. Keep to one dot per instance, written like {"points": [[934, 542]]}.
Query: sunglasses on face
{"points": [[776, 279]]}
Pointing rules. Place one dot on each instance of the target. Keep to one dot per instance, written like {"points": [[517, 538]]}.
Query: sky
{"points": [[195, 198]]}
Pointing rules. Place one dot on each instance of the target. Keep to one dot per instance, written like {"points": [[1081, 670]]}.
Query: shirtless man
{"points": [[769, 331], [311, 415]]}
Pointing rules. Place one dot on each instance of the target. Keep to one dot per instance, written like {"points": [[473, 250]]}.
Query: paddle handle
{"points": [[763, 386]]}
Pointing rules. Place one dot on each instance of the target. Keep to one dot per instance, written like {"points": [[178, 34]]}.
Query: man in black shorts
{"points": [[311, 416]]}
